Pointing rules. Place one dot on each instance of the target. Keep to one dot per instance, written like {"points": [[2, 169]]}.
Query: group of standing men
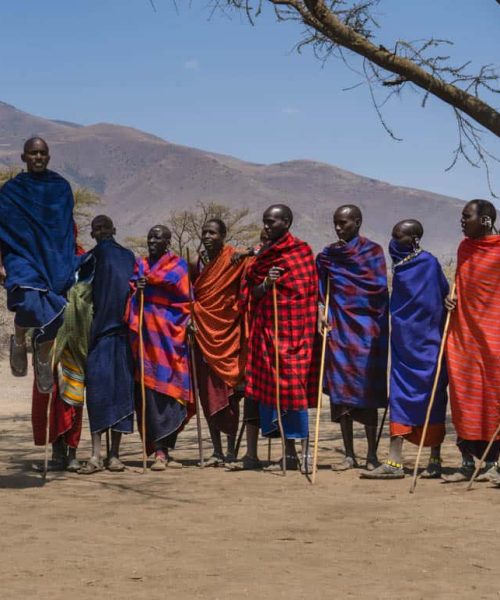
{"points": [[249, 315]]}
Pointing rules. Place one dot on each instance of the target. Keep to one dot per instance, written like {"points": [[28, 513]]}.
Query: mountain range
{"points": [[141, 178]]}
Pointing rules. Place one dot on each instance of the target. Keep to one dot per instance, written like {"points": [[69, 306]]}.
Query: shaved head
{"points": [[347, 221], [284, 211], [353, 211], [34, 141], [103, 221], [411, 227]]}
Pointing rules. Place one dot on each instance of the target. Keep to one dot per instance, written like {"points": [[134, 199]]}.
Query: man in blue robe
{"points": [[419, 288], [38, 252], [109, 373]]}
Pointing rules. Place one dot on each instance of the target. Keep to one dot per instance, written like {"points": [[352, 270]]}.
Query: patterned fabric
{"points": [[218, 320], [166, 314], [357, 348], [473, 343], [297, 297], [65, 419], [419, 288], [72, 344]]}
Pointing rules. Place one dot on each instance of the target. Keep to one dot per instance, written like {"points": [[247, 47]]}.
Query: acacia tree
{"points": [[186, 226], [344, 28]]}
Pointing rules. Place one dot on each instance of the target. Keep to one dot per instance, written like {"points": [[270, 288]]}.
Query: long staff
{"points": [[480, 464], [194, 375], [238, 440], [143, 385], [433, 395], [384, 416], [319, 402], [49, 409], [277, 371]]}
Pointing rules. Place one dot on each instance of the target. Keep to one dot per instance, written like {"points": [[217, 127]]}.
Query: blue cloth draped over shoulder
{"points": [[357, 345], [417, 321], [37, 241], [110, 381]]}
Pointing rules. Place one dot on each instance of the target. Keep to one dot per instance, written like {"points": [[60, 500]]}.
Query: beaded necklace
{"points": [[406, 259]]}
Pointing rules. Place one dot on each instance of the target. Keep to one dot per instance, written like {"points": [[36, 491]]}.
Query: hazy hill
{"points": [[142, 178]]}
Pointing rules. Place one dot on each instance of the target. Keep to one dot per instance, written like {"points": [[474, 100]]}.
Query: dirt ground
{"points": [[210, 534]]}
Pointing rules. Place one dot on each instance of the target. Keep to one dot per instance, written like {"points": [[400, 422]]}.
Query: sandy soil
{"points": [[214, 535]]}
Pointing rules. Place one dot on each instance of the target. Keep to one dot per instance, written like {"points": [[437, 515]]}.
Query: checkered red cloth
{"points": [[297, 291]]}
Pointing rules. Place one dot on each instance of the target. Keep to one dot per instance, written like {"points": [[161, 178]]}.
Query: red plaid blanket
{"points": [[297, 291]]}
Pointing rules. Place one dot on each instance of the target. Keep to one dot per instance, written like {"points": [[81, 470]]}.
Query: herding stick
{"points": [[320, 384], [238, 440], [277, 370], [433, 394], [480, 464], [143, 386], [384, 416], [49, 408], [191, 342]]}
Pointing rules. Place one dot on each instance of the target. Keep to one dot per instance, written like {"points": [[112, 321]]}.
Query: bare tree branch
{"points": [[333, 27]]}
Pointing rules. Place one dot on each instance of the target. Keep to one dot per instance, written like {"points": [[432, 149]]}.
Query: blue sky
{"points": [[219, 84]]}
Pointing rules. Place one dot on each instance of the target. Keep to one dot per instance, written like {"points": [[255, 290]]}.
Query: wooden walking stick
{"points": [[384, 416], [191, 342], [238, 440], [277, 370], [433, 395], [320, 384], [143, 385], [50, 402], [480, 464]]}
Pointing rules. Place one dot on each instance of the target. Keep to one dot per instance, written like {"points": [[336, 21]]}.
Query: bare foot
{"points": [[349, 462]]}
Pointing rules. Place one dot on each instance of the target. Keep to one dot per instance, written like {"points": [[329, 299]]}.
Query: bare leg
{"points": [[116, 438], [396, 449], [252, 432], [216, 440], [20, 335], [44, 351], [96, 445], [346, 427], [231, 447]]}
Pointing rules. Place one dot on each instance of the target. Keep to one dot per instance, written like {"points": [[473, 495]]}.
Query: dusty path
{"points": [[215, 535]]}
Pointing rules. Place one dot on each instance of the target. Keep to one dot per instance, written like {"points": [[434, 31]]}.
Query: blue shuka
{"points": [[110, 382], [38, 247], [417, 320]]}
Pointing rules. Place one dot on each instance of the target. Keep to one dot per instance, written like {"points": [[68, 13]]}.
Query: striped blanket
{"points": [[357, 349], [166, 314], [473, 344]]}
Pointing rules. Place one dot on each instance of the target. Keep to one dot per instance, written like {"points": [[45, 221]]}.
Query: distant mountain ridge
{"points": [[142, 177]]}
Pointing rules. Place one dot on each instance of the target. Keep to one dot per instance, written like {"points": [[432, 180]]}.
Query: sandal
{"points": [[74, 465], [348, 463], [115, 465], [173, 464], [53, 465], [214, 461], [485, 474], [160, 463], [387, 470], [464, 473], [44, 377], [245, 464], [93, 465], [292, 464], [18, 357], [433, 470]]}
